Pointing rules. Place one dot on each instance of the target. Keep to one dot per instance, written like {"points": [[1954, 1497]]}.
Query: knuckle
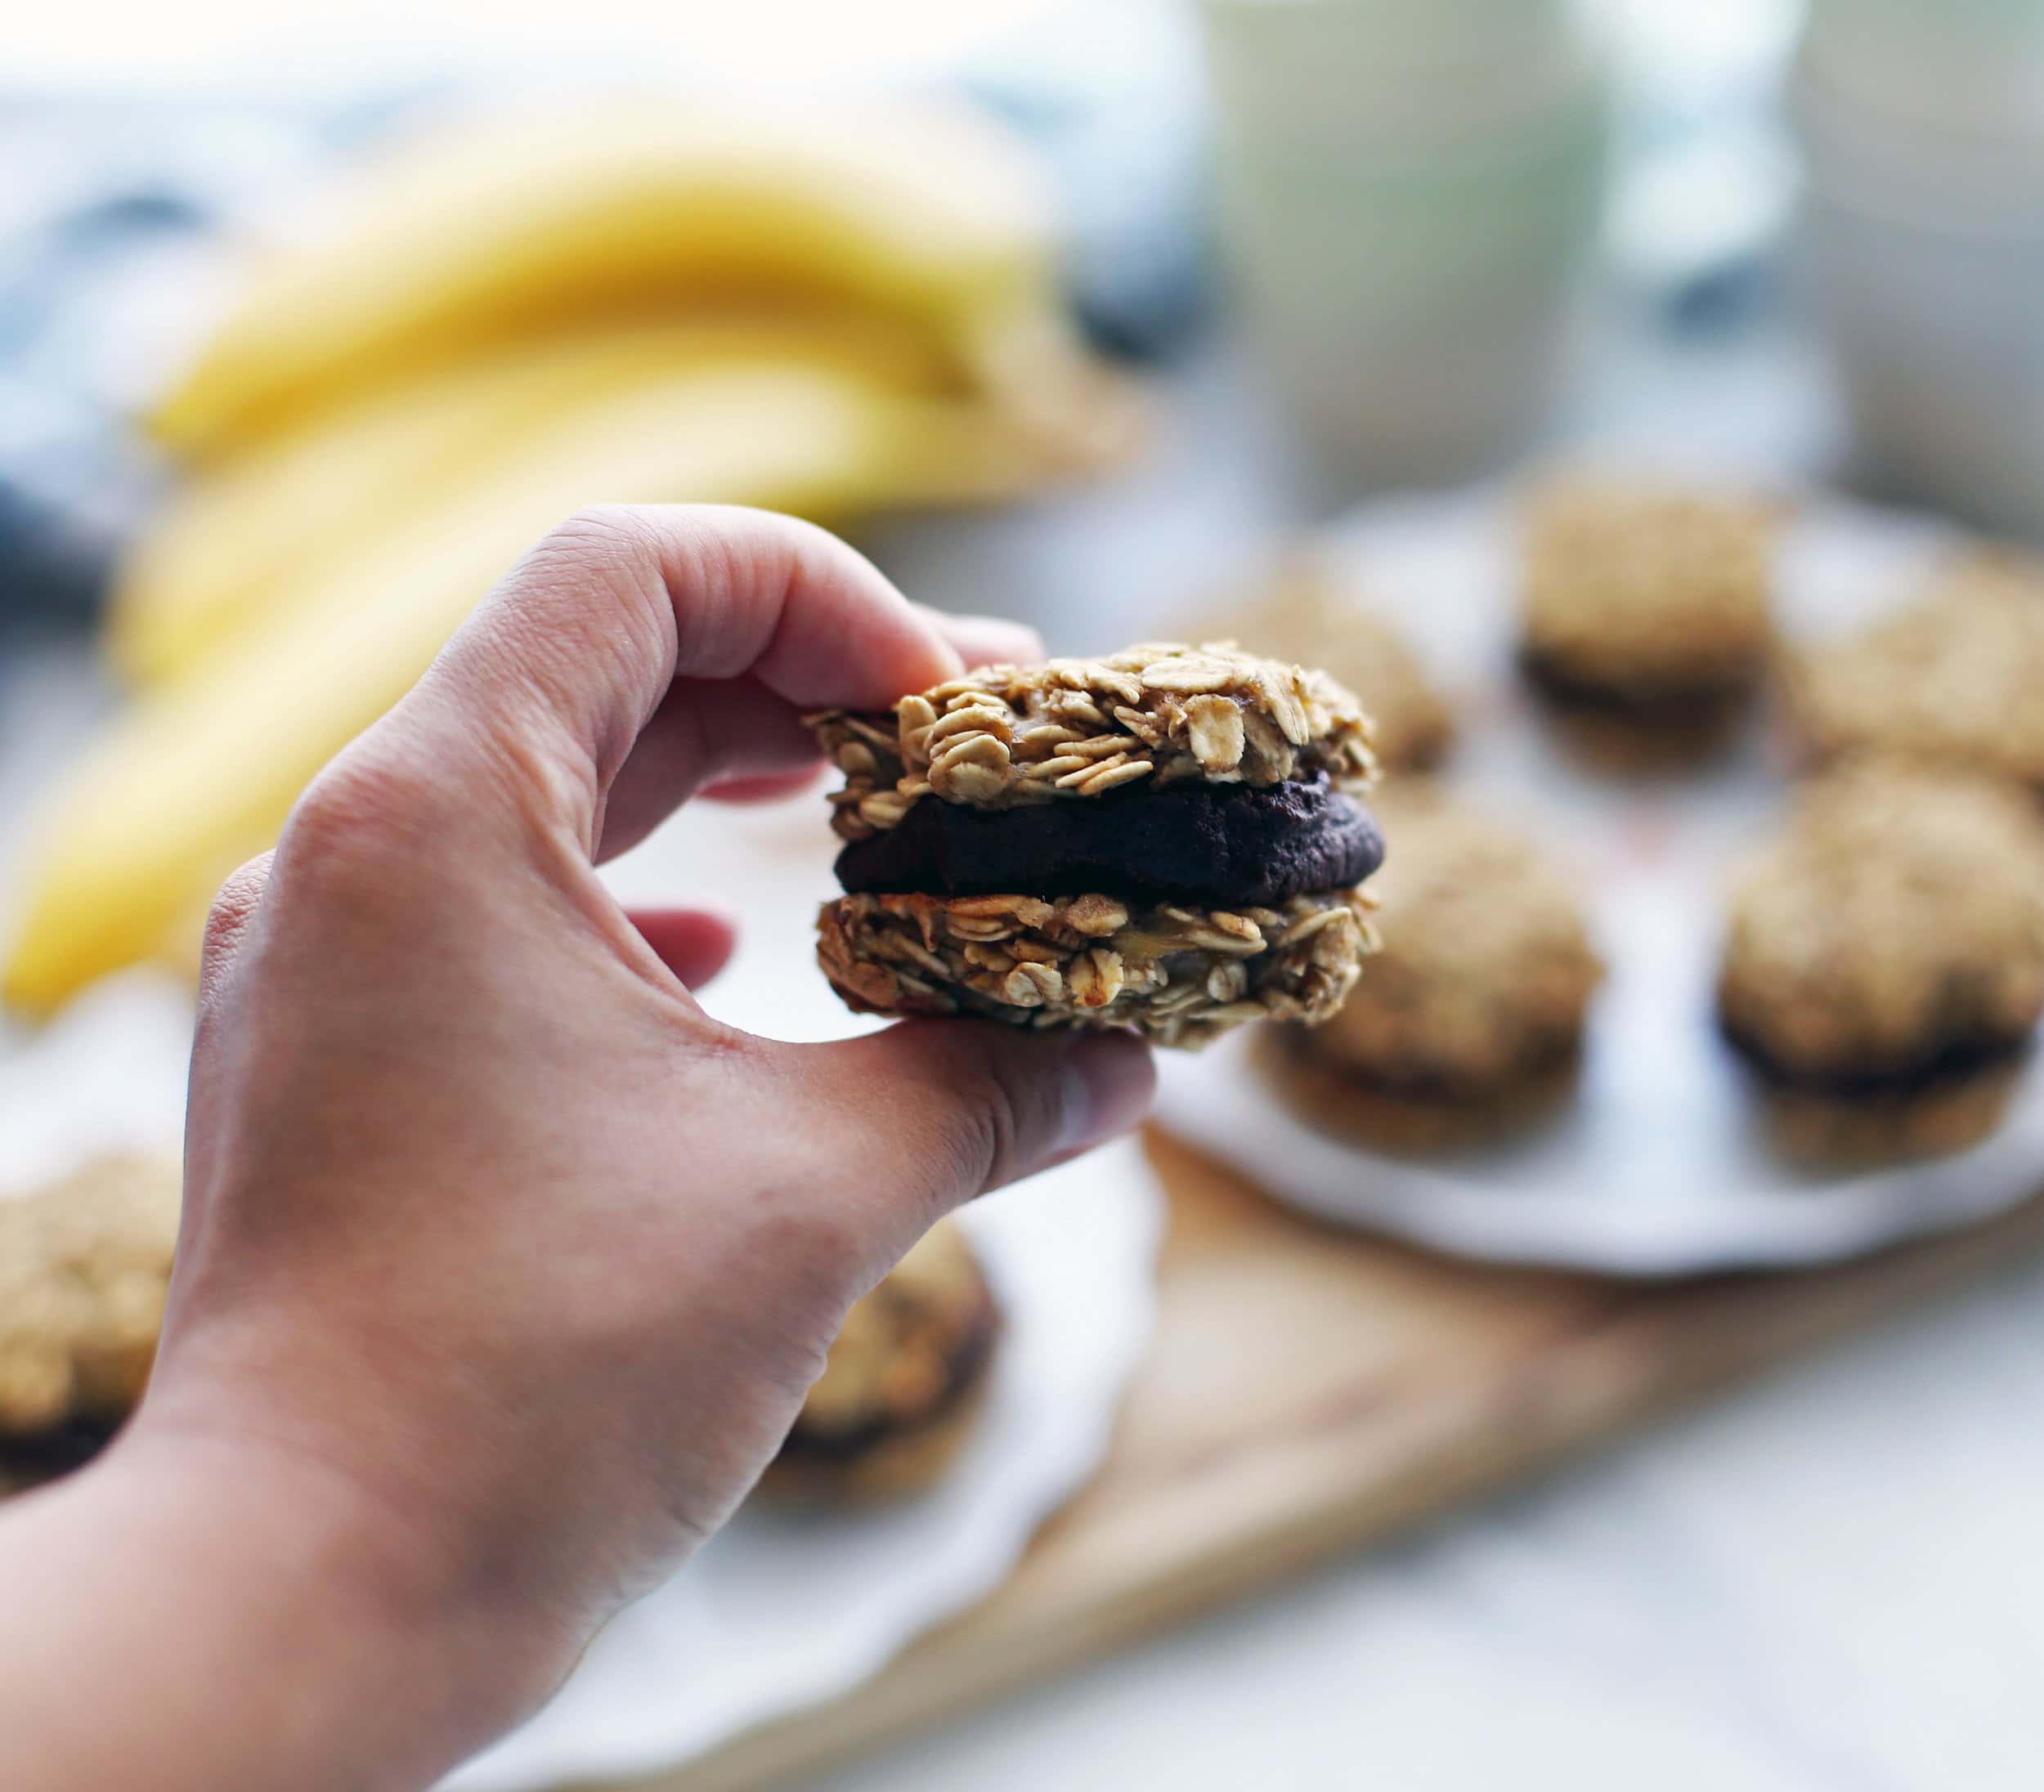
{"points": [[593, 596], [234, 908], [365, 809], [236, 898], [601, 532], [612, 547]]}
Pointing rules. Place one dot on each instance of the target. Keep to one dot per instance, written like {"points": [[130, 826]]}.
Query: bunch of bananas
{"points": [[831, 315]]}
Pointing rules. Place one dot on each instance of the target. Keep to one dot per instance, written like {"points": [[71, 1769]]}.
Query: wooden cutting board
{"points": [[1309, 1391]]}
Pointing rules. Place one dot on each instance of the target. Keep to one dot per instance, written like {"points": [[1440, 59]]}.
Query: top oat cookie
{"points": [[84, 1268], [1003, 736], [1641, 592], [1958, 675], [1895, 920], [1300, 613]]}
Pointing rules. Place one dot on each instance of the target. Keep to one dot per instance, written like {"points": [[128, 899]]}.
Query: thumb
{"points": [[943, 1110]]}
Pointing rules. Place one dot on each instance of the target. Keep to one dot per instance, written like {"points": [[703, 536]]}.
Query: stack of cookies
{"points": [[1471, 1020], [1166, 839], [1645, 615], [1883, 962]]}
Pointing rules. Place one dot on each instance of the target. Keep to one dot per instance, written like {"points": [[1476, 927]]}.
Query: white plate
{"points": [[1661, 1165]]}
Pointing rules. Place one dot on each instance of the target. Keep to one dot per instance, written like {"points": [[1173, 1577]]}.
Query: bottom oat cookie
{"points": [[1407, 1119], [1181, 975], [903, 1387], [1928, 1117], [85, 1272]]}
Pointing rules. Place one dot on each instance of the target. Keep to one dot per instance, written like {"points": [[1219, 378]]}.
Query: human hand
{"points": [[494, 1241]]}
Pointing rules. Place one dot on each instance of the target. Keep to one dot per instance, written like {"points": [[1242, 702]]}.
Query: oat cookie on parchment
{"points": [[905, 1381], [84, 1271]]}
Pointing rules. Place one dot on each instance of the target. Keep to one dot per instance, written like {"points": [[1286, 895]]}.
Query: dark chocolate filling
{"points": [[1222, 845], [1959, 1062], [1697, 703]]}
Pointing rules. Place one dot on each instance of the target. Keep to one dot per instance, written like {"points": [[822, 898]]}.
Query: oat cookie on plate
{"points": [[1471, 1020], [1647, 605], [1884, 954], [905, 1381], [1957, 675], [1163, 840]]}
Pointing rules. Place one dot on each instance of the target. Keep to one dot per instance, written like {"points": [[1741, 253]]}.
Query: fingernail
{"points": [[1109, 1084]]}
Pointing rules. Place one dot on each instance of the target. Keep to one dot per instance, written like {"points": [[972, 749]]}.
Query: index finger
{"points": [[627, 612]]}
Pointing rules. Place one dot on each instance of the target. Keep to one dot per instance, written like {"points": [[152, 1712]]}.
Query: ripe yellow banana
{"points": [[930, 216], [225, 544], [196, 776]]}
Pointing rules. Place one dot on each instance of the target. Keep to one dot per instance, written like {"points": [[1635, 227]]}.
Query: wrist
{"points": [[321, 1639]]}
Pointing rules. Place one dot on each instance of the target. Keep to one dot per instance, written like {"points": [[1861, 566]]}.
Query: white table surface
{"points": [[1831, 1580]]}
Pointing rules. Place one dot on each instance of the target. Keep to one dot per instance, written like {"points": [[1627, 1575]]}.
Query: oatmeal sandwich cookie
{"points": [[1958, 675], [84, 1271], [1886, 944], [1471, 1020], [1163, 840], [1645, 605], [903, 1385]]}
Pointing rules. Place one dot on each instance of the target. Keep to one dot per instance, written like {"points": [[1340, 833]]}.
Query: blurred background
{"points": [[311, 318], [1065, 311]]}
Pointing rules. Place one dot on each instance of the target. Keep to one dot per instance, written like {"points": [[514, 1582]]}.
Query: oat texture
{"points": [[1302, 613], [84, 1268], [1895, 920], [900, 1380], [1639, 592], [1181, 975], [1957, 675], [1007, 735], [1486, 969]]}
